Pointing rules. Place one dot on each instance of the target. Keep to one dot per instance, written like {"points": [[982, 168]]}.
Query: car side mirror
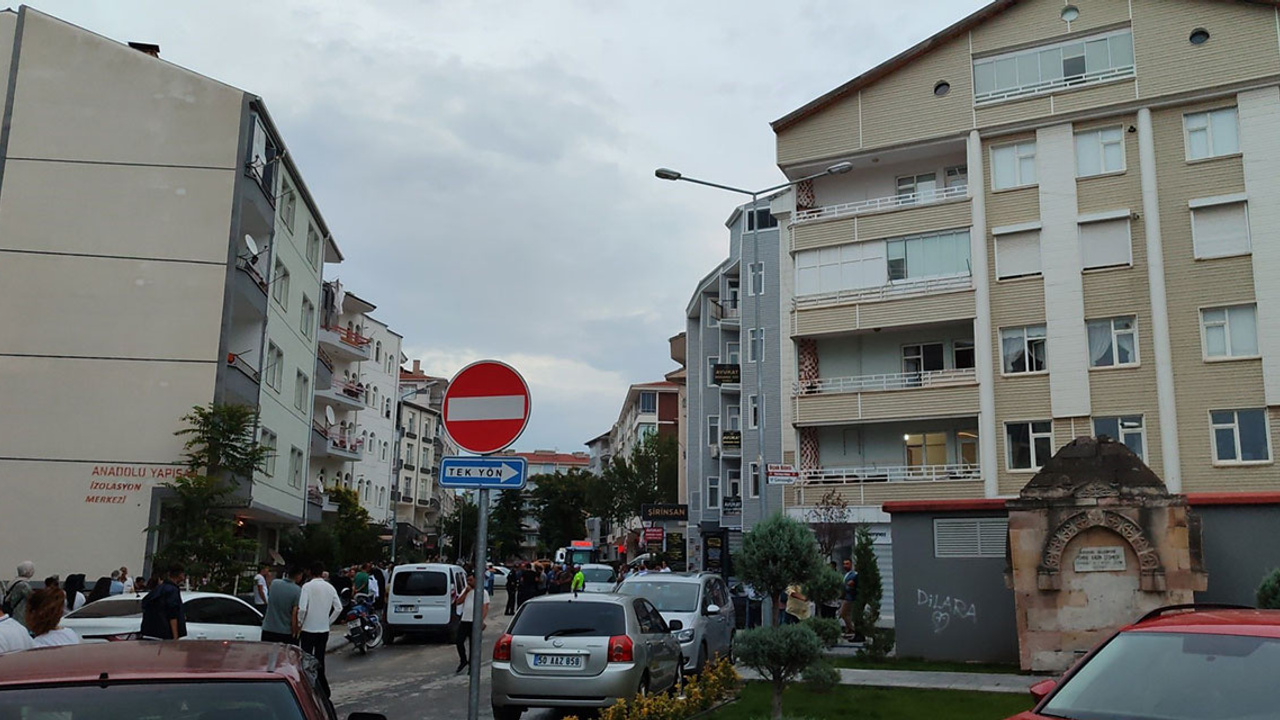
{"points": [[366, 716], [712, 609], [1041, 690], [674, 625]]}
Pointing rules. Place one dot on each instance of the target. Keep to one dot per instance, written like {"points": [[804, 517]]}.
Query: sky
{"points": [[487, 167]]}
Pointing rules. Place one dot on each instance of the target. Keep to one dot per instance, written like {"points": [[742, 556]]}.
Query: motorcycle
{"points": [[364, 629]]}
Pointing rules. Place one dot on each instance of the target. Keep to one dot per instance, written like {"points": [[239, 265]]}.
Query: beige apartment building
{"points": [[1058, 225]]}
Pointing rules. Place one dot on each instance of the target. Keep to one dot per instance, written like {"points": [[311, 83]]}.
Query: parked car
{"points": [[587, 651], [598, 578], [149, 679], [699, 602], [421, 599], [1182, 662], [210, 616]]}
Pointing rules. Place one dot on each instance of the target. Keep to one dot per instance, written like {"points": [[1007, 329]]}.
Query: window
{"points": [[755, 278], [755, 345], [1105, 243], [925, 357], [296, 461], [313, 246], [1017, 254], [733, 353], [386, 408], [302, 391], [845, 267], [753, 482], [753, 411], [926, 449], [1099, 152], [269, 443], [377, 351], [711, 370], [936, 255], [962, 355], [308, 316], [713, 429], [289, 204], [968, 440], [1113, 342], [220, 611], [1013, 165], [648, 402], [274, 372], [1220, 230], [1024, 349], [914, 189], [644, 430], [970, 537], [734, 483], [1043, 69], [1030, 444], [733, 418], [957, 176], [280, 285], [1230, 331], [1240, 436], [1211, 134], [761, 219], [713, 493], [1126, 429]]}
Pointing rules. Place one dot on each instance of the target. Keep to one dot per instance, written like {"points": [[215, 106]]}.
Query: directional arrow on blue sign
{"points": [[498, 473]]}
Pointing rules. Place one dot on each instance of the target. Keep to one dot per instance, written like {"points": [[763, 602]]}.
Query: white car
{"points": [[210, 616], [599, 578]]}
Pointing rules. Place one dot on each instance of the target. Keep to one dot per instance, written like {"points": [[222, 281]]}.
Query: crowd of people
{"points": [[31, 613]]}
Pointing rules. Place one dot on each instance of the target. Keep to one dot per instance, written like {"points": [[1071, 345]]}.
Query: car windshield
{"points": [[588, 619], [681, 597], [139, 701], [598, 575], [1174, 676], [109, 609], [420, 582]]}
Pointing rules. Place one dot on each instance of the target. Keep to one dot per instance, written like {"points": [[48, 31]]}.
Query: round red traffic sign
{"points": [[486, 407]]}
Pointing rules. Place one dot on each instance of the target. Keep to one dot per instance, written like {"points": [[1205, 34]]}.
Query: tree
{"points": [[310, 544], [506, 525], [1269, 591], [561, 505], [649, 475], [461, 526], [356, 535], [221, 441], [866, 608], [776, 553], [779, 654], [829, 519]]}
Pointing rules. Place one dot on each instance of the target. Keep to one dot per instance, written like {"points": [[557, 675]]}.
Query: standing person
{"points": [[13, 636], [44, 618], [528, 584], [117, 586], [15, 600], [466, 608], [262, 588], [75, 593], [848, 598], [101, 589], [513, 587], [126, 580], [360, 583], [280, 622], [579, 583], [382, 577], [488, 578], [318, 607], [163, 617], [797, 605], [374, 588]]}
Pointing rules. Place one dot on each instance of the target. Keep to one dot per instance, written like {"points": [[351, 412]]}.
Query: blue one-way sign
{"points": [[499, 473]]}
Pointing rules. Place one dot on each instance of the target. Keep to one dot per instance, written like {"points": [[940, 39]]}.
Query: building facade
{"points": [[423, 443], [376, 425]]}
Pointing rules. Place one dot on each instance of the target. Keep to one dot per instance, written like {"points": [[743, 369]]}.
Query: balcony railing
{"points": [[891, 291], [891, 381], [1044, 86], [339, 441], [890, 473], [351, 337], [247, 267], [890, 202], [355, 391], [239, 363], [726, 310]]}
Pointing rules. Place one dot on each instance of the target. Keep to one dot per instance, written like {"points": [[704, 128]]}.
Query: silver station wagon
{"points": [[583, 651]]}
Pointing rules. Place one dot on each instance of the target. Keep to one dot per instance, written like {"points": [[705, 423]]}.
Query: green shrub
{"points": [[821, 676], [779, 654], [1269, 591], [827, 630]]}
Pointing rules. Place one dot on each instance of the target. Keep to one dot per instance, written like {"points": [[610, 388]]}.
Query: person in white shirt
{"points": [[261, 587], [374, 590], [466, 608], [13, 636], [318, 608], [44, 616]]}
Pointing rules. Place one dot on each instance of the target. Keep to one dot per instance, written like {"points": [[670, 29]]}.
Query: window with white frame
{"points": [[970, 537], [755, 278], [308, 316], [1211, 134], [280, 285], [733, 353], [1017, 254], [917, 188], [713, 429], [1023, 349], [648, 402], [1013, 165], [1220, 230], [301, 391], [962, 356], [845, 267], [761, 219], [274, 371], [288, 203], [733, 483], [1125, 429], [733, 418], [1240, 436], [713, 493], [957, 176], [711, 370], [1100, 151], [1231, 331], [753, 482], [313, 246], [1113, 342], [1105, 243], [296, 462], [270, 441], [1082, 61], [924, 256], [386, 447], [755, 344], [1028, 444], [753, 411]]}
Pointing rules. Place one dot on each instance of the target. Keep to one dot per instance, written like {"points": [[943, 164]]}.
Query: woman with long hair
{"points": [[101, 589], [43, 617], [74, 589]]}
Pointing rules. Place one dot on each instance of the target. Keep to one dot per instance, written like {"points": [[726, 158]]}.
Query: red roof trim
{"points": [[1229, 498], [908, 506]]}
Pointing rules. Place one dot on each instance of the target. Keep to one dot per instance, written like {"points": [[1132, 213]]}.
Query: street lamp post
{"points": [[754, 225]]}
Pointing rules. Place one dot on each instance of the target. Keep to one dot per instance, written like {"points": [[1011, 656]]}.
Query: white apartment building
{"points": [[376, 425], [421, 502]]}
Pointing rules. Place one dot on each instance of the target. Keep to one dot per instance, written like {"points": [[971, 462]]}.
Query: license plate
{"points": [[353, 625], [406, 608], [566, 661]]}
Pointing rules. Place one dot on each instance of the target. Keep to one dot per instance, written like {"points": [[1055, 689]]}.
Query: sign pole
{"points": [[477, 603]]}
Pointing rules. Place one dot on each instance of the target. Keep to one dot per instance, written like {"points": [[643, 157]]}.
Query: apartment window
{"points": [[1017, 254], [713, 429], [1211, 134], [968, 441], [917, 188], [1030, 444], [925, 256], [970, 537], [1240, 436], [308, 317], [648, 402], [426, 458], [844, 267], [644, 430], [755, 279], [1126, 429], [274, 371], [1220, 230], [761, 219], [1113, 342], [753, 482], [1230, 332], [1099, 152], [288, 204], [962, 356], [269, 442], [957, 176], [386, 408], [386, 447], [926, 449], [1013, 165], [409, 453], [296, 461], [753, 411], [1105, 243], [313, 246], [1046, 68], [280, 285], [1023, 349], [733, 482], [301, 391], [755, 344], [733, 353], [377, 351], [713, 493], [733, 418], [925, 357], [711, 370]]}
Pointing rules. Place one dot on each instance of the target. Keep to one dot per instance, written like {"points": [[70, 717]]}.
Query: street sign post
{"points": [[782, 474], [474, 473], [486, 407]]}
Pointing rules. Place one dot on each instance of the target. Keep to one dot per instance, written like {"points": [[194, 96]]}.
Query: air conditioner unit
{"points": [[715, 450]]}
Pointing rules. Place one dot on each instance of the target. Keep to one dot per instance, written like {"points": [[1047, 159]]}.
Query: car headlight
{"points": [[684, 636]]}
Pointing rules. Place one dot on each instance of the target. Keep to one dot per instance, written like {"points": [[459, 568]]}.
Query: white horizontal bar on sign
{"points": [[491, 407]]}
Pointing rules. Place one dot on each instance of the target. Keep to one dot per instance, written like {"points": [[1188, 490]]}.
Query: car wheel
{"points": [[507, 712], [643, 690]]}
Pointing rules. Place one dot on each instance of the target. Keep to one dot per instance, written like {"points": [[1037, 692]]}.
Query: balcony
{"points": [[727, 312], [247, 267], [881, 204], [952, 397], [332, 443], [891, 381], [875, 484], [342, 395], [345, 344], [901, 302]]}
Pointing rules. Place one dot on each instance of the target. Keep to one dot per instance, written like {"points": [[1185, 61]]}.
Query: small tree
{"points": [[866, 609], [829, 519], [779, 551], [506, 525], [779, 654], [1269, 591], [353, 529], [462, 525]]}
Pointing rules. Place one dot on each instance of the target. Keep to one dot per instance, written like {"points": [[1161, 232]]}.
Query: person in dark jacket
{"points": [[162, 615], [513, 586]]}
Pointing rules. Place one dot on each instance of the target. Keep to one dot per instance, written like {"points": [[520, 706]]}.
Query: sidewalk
{"points": [[981, 682]]}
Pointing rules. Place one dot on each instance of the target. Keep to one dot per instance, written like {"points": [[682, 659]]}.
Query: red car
{"points": [[1182, 662], [190, 679]]}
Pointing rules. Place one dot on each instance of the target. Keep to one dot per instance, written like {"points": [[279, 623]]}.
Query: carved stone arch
{"points": [[1049, 572]]}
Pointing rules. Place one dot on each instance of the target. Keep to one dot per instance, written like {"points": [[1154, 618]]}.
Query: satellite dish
{"points": [[328, 415], [250, 243]]}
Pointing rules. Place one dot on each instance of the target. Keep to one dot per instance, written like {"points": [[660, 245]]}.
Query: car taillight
{"points": [[502, 649], [620, 649]]}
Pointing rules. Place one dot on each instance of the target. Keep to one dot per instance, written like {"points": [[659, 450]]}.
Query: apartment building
{"points": [[423, 442], [374, 471], [679, 353], [734, 345], [150, 265], [1055, 227]]}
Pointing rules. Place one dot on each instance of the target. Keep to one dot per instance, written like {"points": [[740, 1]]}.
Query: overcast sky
{"points": [[487, 167]]}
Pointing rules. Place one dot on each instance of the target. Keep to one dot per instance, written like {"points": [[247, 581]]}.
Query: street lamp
{"points": [[839, 168], [395, 461]]}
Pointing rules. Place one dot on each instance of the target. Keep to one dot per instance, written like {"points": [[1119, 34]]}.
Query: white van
{"points": [[421, 599]]}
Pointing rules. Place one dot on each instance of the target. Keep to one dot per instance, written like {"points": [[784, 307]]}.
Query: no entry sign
{"points": [[486, 407]]}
